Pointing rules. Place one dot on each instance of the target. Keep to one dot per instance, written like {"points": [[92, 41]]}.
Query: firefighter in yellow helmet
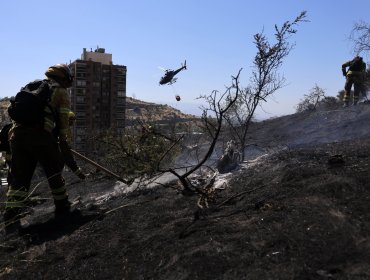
{"points": [[35, 143], [356, 76], [66, 153]]}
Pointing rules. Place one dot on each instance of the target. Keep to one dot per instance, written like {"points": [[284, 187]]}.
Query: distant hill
{"points": [[141, 110]]}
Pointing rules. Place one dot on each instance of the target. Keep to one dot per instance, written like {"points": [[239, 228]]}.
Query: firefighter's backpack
{"points": [[28, 105], [4, 142]]}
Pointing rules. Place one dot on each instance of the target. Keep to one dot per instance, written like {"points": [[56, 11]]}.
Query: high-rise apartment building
{"points": [[98, 97]]}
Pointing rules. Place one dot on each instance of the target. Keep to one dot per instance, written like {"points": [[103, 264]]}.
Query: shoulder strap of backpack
{"points": [[47, 83]]}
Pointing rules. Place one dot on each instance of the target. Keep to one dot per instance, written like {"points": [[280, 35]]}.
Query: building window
{"points": [[80, 131], [81, 115], [81, 83], [80, 75], [121, 70], [120, 101], [81, 91], [80, 123], [81, 65], [80, 107], [80, 99], [120, 93]]}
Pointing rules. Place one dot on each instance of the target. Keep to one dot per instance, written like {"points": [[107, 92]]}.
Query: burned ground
{"points": [[299, 212]]}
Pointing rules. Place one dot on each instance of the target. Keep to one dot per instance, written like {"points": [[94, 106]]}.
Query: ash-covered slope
{"points": [[311, 128], [297, 212]]}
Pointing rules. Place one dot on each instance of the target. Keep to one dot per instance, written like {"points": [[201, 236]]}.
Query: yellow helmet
{"points": [[71, 116], [61, 74]]}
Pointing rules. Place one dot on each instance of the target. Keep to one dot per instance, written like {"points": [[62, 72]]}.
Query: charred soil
{"points": [[297, 213]]}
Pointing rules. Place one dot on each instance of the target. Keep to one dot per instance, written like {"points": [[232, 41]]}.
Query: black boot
{"points": [[62, 208]]}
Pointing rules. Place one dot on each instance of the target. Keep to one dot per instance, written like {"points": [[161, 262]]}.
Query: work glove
{"points": [[80, 174]]}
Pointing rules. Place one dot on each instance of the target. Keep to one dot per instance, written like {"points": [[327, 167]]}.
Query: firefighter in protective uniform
{"points": [[66, 153], [356, 76], [32, 144]]}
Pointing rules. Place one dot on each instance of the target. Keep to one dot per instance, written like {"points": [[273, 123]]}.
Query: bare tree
{"points": [[265, 79], [138, 152], [212, 119], [311, 100], [360, 36]]}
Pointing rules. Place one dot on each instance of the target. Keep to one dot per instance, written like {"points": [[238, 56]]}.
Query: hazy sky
{"points": [[214, 36]]}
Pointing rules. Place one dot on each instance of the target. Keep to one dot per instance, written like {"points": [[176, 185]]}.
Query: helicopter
{"points": [[169, 75]]}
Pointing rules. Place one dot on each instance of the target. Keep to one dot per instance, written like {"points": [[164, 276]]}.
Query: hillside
{"points": [[147, 111], [297, 208]]}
